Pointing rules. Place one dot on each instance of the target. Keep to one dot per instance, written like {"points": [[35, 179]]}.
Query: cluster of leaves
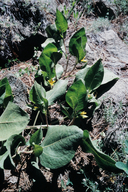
{"points": [[61, 141]]}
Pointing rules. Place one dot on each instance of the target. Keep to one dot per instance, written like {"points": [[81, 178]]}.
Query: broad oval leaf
{"points": [[103, 160], [77, 44], [94, 76], [59, 145], [46, 65], [12, 121], [37, 94], [61, 22], [58, 90], [76, 96]]}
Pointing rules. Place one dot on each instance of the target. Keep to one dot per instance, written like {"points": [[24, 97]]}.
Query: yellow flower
{"points": [[84, 60], [36, 108], [89, 96], [51, 82], [83, 114]]}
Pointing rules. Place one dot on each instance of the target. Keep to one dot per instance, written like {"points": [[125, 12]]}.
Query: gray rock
{"points": [[22, 24], [108, 46], [19, 91], [118, 93]]}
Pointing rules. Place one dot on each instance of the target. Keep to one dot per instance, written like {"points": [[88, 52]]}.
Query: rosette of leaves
{"points": [[90, 83]]}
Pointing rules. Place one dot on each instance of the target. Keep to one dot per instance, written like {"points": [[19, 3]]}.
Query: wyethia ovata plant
{"points": [[61, 141]]}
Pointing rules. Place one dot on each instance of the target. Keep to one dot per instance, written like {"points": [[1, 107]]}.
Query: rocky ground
{"points": [[107, 39]]}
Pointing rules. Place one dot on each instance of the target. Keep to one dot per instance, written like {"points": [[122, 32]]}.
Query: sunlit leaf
{"points": [[122, 166], [59, 145], [59, 70], [12, 121], [103, 160], [94, 76], [109, 80], [37, 94], [58, 90], [77, 44], [61, 22], [76, 96]]}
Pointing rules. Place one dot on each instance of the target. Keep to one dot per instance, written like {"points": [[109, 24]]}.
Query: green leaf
{"points": [[58, 90], [109, 80], [77, 44], [56, 56], [104, 161], [12, 121], [122, 166], [12, 143], [48, 59], [126, 143], [65, 111], [76, 96], [5, 92], [94, 76], [61, 22], [52, 32], [46, 65], [50, 49], [59, 145], [82, 73], [37, 150], [36, 137], [126, 150], [48, 40], [37, 95], [59, 70], [5, 162], [3, 156]]}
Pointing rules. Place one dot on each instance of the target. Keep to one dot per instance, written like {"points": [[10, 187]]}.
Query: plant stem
{"points": [[46, 117], [66, 66], [36, 118], [73, 68], [72, 121], [67, 57], [23, 151], [37, 127]]}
